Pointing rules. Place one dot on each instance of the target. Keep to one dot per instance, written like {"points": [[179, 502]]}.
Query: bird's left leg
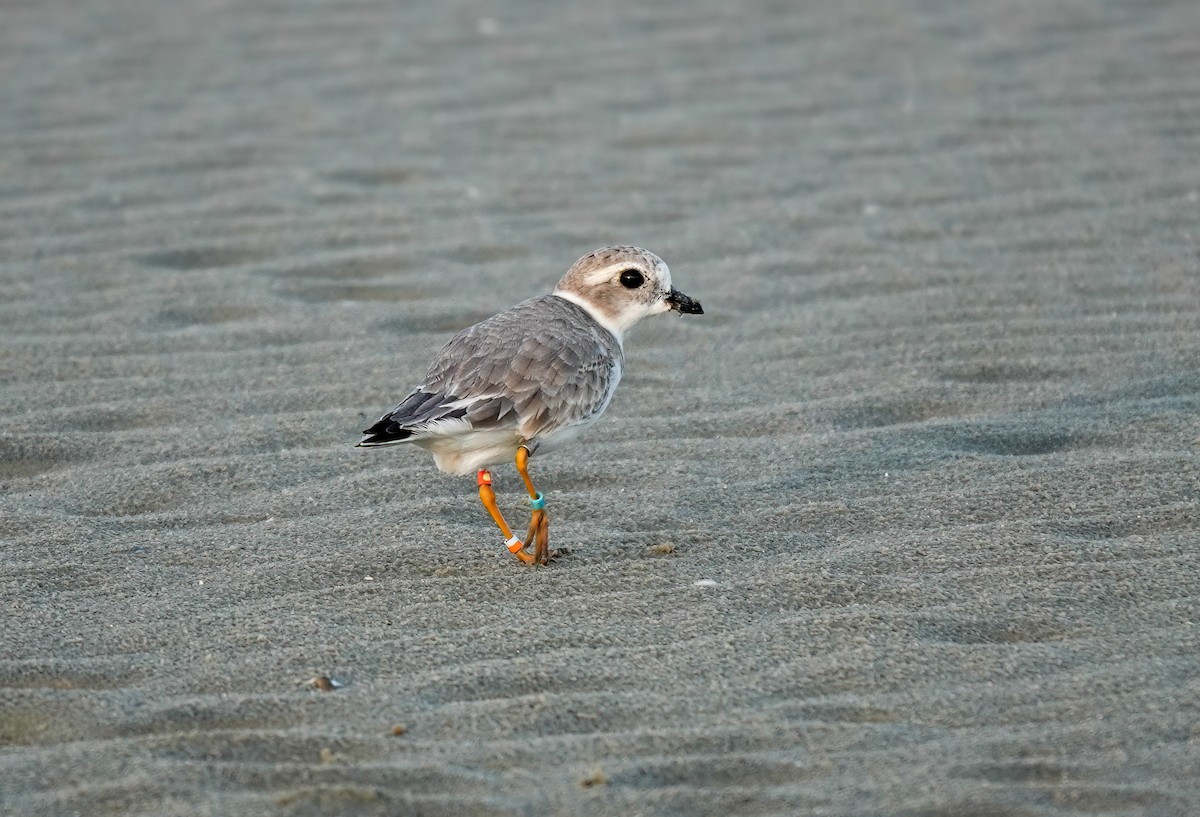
{"points": [[488, 497], [539, 522]]}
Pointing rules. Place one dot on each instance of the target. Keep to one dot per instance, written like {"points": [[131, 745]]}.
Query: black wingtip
{"points": [[382, 433]]}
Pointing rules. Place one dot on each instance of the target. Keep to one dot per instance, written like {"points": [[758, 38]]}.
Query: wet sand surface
{"points": [[905, 524]]}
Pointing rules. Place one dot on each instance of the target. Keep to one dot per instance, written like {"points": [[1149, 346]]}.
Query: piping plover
{"points": [[527, 380]]}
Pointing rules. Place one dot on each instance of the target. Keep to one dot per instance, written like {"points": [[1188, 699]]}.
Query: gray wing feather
{"points": [[541, 365]]}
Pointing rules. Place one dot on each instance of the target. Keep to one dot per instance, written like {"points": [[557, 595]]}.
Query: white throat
{"points": [[597, 316]]}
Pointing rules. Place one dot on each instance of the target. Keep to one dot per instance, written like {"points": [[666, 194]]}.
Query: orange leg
{"points": [[539, 523], [488, 497]]}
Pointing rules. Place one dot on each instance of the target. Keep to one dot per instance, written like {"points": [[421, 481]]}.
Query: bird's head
{"points": [[619, 286]]}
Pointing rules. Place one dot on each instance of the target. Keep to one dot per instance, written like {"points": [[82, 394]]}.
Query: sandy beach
{"points": [[906, 524]]}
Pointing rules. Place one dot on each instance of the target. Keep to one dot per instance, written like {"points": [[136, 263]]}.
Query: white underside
{"points": [[467, 452]]}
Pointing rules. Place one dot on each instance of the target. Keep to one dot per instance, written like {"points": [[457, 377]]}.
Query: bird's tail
{"points": [[386, 432]]}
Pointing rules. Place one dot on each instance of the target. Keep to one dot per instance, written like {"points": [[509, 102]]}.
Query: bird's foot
{"points": [[525, 556], [539, 531], [537, 537]]}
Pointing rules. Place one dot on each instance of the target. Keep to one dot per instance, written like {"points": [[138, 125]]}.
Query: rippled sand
{"points": [[906, 524]]}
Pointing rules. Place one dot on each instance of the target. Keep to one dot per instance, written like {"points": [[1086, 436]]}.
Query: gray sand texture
{"points": [[906, 524]]}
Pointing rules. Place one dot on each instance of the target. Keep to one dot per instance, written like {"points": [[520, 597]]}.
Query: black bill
{"points": [[683, 304]]}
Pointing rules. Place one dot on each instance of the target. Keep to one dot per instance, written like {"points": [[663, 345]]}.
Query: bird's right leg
{"points": [[539, 523], [488, 497]]}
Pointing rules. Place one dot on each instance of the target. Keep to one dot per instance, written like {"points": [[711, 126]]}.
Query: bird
{"points": [[528, 380]]}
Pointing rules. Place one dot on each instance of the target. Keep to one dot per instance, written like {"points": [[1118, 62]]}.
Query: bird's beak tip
{"points": [[683, 304]]}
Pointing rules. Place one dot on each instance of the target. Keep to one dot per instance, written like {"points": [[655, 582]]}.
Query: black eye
{"points": [[632, 279]]}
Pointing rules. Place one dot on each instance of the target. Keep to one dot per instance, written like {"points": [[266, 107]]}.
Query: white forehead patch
{"points": [[664, 275]]}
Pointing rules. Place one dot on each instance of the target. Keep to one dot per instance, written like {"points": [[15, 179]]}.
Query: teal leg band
{"points": [[538, 502]]}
